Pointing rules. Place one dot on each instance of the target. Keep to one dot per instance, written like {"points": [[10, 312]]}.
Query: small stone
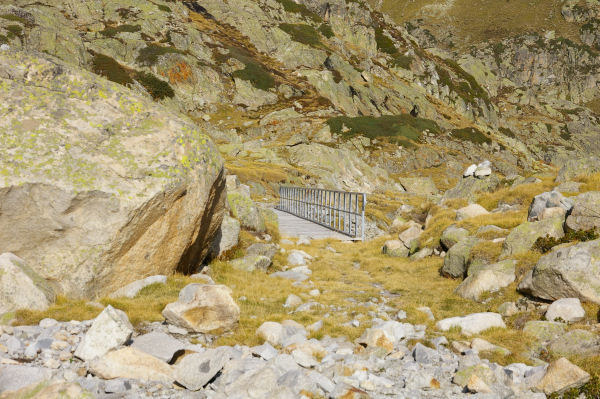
{"points": [[477, 385], [196, 370], [473, 323], [470, 211], [131, 363], [266, 351], [316, 326], [304, 359], [292, 301], [51, 363], [159, 345], [314, 292], [47, 323], [59, 345]]}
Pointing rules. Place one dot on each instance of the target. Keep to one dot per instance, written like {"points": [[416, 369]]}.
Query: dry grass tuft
{"points": [[590, 183], [519, 195]]}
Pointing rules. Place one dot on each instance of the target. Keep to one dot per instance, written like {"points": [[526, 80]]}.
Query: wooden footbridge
{"points": [[319, 213]]}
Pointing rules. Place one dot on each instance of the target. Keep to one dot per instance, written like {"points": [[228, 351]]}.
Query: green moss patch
{"points": [[157, 88], [302, 33], [163, 8], [545, 244], [257, 75], [16, 18], [471, 134], [14, 31], [398, 127], [402, 61], [254, 72], [149, 55], [507, 132], [109, 68], [293, 7], [106, 66], [326, 31], [112, 31], [384, 43], [462, 83]]}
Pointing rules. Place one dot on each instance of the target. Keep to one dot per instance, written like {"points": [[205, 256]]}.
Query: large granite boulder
{"points": [[585, 214], [570, 272], [100, 186]]}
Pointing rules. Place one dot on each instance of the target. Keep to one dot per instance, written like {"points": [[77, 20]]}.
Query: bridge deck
{"points": [[293, 226]]}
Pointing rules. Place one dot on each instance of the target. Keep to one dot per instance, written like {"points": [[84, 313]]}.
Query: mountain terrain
{"points": [[143, 146]]}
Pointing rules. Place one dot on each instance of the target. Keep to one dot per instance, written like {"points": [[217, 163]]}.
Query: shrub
{"points": [[545, 244], [326, 31], [507, 132], [397, 126], [293, 7], [402, 61], [471, 134], [14, 30], [256, 74], [302, 33], [106, 66], [149, 55], [384, 43], [112, 31], [157, 88], [164, 8]]}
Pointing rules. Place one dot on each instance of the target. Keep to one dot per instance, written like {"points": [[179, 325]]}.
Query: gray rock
{"points": [[456, 260], [159, 345], [196, 370], [250, 263], [473, 323], [522, 237], [15, 377], [227, 236], [585, 214], [451, 235], [292, 301], [268, 250], [470, 211], [575, 343], [297, 257], [565, 309], [118, 385], [423, 354], [21, 286], [203, 308], [488, 278], [131, 363], [109, 330], [571, 272], [395, 248], [132, 289], [547, 200], [578, 167], [266, 351]]}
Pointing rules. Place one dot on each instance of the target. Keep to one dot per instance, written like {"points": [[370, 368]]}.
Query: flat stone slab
{"points": [[15, 377], [159, 345]]}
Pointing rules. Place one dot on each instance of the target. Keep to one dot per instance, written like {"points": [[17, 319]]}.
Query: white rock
{"points": [[159, 345], [470, 211], [470, 171], [473, 323], [20, 286], [271, 332], [132, 289], [567, 309], [304, 359], [292, 301], [4, 47], [481, 172], [314, 292], [131, 363], [298, 257], [195, 370], [109, 330], [316, 326]]}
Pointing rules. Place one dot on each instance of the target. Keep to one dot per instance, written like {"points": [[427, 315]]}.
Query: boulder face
{"points": [[203, 308], [21, 287], [522, 237], [100, 186], [571, 272], [585, 214]]}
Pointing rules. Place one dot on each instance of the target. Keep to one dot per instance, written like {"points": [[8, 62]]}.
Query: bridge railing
{"points": [[341, 211]]}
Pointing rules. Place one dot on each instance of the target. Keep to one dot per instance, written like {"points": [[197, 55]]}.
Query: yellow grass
{"points": [[590, 183], [519, 195]]}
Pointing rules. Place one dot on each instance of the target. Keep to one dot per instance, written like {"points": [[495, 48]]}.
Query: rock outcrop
{"points": [[100, 186]]}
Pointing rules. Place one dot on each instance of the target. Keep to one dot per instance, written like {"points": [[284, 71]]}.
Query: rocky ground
{"points": [[144, 143]]}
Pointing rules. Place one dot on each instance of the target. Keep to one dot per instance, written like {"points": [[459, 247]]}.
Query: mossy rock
{"points": [[245, 210]]}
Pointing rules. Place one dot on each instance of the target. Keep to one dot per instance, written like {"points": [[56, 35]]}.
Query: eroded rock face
{"points": [[585, 214], [203, 308], [99, 186]]}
